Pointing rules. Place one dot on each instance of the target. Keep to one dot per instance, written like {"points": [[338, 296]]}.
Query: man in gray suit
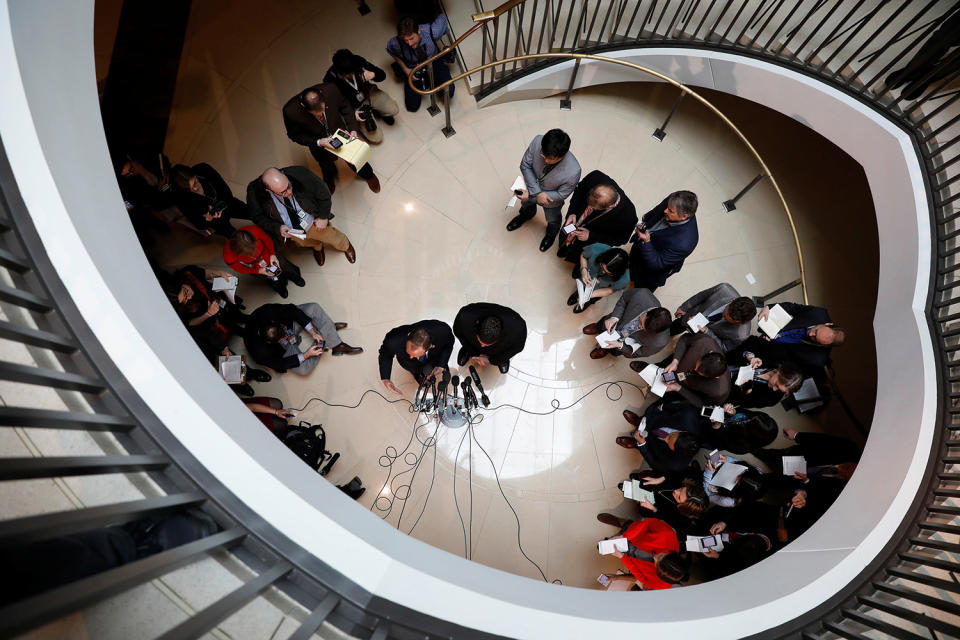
{"points": [[643, 325], [551, 173], [728, 315]]}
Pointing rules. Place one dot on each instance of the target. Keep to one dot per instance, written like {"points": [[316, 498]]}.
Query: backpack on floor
{"points": [[309, 443]]}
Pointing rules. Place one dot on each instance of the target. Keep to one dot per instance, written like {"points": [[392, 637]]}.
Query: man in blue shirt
{"points": [[412, 45]]}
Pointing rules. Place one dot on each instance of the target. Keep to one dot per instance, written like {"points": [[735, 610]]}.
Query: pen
{"points": [[788, 511]]}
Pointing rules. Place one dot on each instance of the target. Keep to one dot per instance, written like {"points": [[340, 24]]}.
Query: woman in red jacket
{"points": [[653, 554], [250, 250]]}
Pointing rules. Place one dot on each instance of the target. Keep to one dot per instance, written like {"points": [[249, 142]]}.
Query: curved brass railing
{"points": [[623, 63]]}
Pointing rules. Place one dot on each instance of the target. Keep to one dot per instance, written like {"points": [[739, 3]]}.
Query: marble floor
{"points": [[543, 461]]}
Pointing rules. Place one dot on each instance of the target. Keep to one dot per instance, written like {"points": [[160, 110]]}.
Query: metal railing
{"points": [[910, 590], [68, 358]]}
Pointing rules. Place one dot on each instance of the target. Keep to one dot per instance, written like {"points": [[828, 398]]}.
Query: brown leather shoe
{"points": [[591, 329], [351, 254], [374, 184], [631, 417], [612, 520], [319, 256], [344, 349], [638, 365], [340, 325], [627, 442], [598, 352]]}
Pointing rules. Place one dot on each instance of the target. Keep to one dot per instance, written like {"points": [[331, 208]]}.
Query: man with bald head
{"points": [[293, 204], [312, 117], [601, 212]]}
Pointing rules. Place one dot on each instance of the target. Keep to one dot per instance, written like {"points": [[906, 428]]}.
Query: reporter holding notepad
{"points": [[652, 554], [293, 204]]}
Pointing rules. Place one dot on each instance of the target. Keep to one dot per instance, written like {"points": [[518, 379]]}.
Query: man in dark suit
{"points": [[354, 77], [205, 199], [805, 341], [728, 315], [312, 117], [701, 368], [422, 348], [601, 211], [667, 449], [490, 334], [272, 336], [643, 325], [290, 202], [666, 235]]}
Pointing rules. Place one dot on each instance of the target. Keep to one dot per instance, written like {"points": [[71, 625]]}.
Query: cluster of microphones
{"points": [[434, 396]]}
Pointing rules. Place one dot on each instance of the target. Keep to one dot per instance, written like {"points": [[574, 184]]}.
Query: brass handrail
{"points": [[624, 63]]}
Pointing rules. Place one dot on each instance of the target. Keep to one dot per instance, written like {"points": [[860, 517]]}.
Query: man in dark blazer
{"points": [[490, 334], [805, 341], [601, 211], [728, 315], [290, 202], [643, 325], [205, 199], [666, 235], [272, 336], [354, 77], [667, 449], [422, 348], [312, 117], [701, 368]]}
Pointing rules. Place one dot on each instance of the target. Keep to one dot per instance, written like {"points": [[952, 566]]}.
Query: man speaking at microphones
{"points": [[490, 334], [422, 348]]}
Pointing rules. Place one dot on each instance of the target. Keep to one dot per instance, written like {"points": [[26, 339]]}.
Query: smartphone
{"points": [[518, 192], [335, 143], [706, 412], [603, 580], [669, 377], [715, 457], [273, 269]]}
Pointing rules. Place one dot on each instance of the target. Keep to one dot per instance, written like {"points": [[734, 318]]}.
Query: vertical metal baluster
{"points": [[433, 109], [949, 60], [547, 11], [656, 27], [483, 55], [566, 27], [593, 21], [661, 132], [734, 21], [565, 103], [765, 23], [783, 24], [506, 41], [703, 19], [516, 49], [606, 19], [847, 40], [688, 16], [493, 56], [636, 9], [833, 32], [673, 20], [713, 29], [731, 204], [793, 32], [924, 32], [448, 129], [815, 31], [867, 41], [937, 111], [749, 22]]}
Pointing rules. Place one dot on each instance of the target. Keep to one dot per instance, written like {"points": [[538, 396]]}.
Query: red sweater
{"points": [[653, 536], [250, 263]]}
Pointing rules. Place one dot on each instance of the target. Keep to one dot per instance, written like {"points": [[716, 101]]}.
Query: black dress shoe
{"points": [[504, 367], [572, 300], [297, 280], [281, 291], [516, 223], [579, 309], [546, 243], [258, 375], [339, 325], [242, 389], [388, 120]]}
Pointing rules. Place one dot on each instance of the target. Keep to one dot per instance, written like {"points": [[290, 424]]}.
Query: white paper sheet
{"points": [[584, 292], [570, 228], [794, 464], [744, 375], [717, 415], [751, 279], [222, 284], [776, 320], [703, 544], [696, 322], [726, 476], [653, 376], [607, 336], [231, 369], [805, 396], [607, 547], [517, 184]]}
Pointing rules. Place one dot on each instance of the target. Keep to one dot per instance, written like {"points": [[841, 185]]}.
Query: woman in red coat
{"points": [[653, 554]]}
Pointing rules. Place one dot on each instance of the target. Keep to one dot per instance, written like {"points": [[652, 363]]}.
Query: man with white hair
{"points": [[600, 212], [293, 204]]}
